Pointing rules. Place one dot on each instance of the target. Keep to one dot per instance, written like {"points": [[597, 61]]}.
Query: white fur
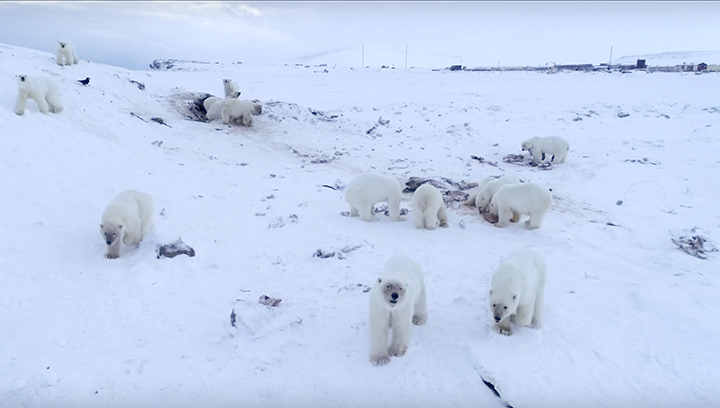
{"points": [[384, 316], [40, 89], [472, 194], [514, 200], [215, 107], [65, 54], [482, 200], [554, 146], [518, 291], [127, 218], [230, 86], [366, 190], [237, 111], [429, 207], [208, 102]]}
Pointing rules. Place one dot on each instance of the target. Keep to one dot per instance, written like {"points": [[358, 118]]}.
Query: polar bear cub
{"points": [[230, 86], [482, 200], [40, 89], [397, 301], [515, 200], [554, 146], [237, 111], [127, 218], [65, 54], [518, 291], [429, 207], [366, 190]]}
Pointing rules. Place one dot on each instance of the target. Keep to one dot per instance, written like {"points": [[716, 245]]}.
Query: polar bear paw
{"points": [[417, 320], [397, 351], [112, 256], [380, 361]]}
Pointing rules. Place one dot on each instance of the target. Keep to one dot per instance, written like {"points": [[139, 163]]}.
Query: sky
{"points": [[428, 34]]}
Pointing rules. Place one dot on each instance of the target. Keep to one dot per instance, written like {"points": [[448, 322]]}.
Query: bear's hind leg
{"points": [[54, 103], [442, 216], [537, 318], [534, 221], [42, 104]]}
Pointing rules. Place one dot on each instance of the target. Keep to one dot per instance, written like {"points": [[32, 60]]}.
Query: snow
{"points": [[672, 58], [630, 320]]}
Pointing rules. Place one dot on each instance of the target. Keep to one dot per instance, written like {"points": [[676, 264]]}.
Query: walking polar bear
{"points": [[554, 146], [397, 301], [65, 54], [515, 200], [366, 190], [213, 105], [518, 291], [40, 89], [237, 111], [429, 207], [127, 218], [481, 200]]}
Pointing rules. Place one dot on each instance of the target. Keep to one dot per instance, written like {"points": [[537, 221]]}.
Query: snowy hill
{"points": [[672, 58], [630, 320]]}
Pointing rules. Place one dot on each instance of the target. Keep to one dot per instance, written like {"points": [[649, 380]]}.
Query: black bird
{"points": [[85, 81]]}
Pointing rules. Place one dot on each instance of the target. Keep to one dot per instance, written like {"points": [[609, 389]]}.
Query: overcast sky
{"points": [[437, 34]]}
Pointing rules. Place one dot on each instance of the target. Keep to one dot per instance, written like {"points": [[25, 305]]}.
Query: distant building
{"points": [[701, 66], [640, 64]]}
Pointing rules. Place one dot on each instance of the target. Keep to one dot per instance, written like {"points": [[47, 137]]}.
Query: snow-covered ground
{"points": [[672, 58], [630, 320]]}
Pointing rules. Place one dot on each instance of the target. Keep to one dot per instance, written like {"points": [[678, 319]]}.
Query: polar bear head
{"points": [[111, 232], [24, 82], [392, 293], [63, 44], [234, 95], [527, 145], [503, 303], [227, 82]]}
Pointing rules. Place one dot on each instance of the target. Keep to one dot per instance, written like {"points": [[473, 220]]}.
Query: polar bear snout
{"points": [[394, 294], [498, 318]]}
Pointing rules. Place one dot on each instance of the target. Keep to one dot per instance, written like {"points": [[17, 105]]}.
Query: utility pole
{"points": [[610, 63], [405, 56]]}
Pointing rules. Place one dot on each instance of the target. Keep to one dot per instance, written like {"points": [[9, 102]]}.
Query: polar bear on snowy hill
{"points": [[518, 291], [481, 200], [237, 111], [40, 89], [65, 54], [512, 201], [397, 301], [541, 147], [127, 218], [429, 207], [366, 190]]}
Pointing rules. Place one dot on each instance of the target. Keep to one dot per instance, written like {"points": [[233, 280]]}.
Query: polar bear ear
{"points": [[379, 280], [101, 225], [491, 291], [120, 226], [514, 297]]}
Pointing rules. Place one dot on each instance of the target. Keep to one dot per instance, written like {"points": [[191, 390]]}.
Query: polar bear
{"points": [[127, 218], [40, 89], [483, 197], [518, 291], [214, 107], [397, 301], [429, 207], [65, 54], [230, 86], [514, 200], [472, 194], [208, 102], [366, 190], [540, 147], [237, 111]]}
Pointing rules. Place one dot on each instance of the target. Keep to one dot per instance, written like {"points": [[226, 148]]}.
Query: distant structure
{"points": [[640, 64]]}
